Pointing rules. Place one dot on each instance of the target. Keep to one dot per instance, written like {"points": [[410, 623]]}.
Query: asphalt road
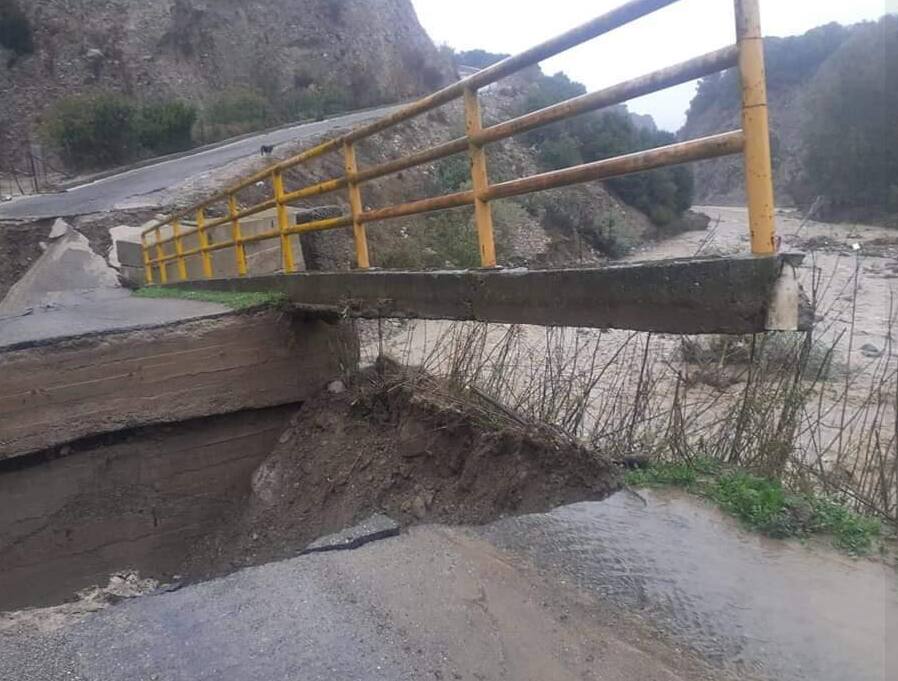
{"points": [[146, 186], [78, 313], [432, 604], [658, 588]]}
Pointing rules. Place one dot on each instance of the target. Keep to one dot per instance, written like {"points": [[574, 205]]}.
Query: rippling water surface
{"points": [[779, 610]]}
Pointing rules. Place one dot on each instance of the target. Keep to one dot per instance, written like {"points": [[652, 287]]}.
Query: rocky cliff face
{"points": [[375, 50], [792, 64]]}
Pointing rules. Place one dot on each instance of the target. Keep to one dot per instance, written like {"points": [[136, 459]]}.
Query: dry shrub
{"points": [[630, 396]]}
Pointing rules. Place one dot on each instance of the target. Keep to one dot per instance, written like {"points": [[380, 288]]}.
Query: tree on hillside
{"points": [[790, 62], [662, 194], [478, 58], [15, 30], [850, 136]]}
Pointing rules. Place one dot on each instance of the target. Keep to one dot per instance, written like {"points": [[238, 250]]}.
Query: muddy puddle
{"points": [[761, 608]]}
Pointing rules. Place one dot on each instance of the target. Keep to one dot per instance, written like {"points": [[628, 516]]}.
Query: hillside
{"points": [[828, 81], [287, 50], [106, 82]]}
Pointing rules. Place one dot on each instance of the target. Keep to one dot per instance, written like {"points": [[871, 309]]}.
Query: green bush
{"points": [[453, 174], [15, 29], [764, 504], [663, 195], [440, 240], [451, 239], [166, 127], [560, 151], [102, 129], [315, 101], [234, 112], [94, 130], [549, 90]]}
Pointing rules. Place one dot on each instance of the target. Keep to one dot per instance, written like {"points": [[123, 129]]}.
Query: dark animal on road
{"points": [[266, 149]]}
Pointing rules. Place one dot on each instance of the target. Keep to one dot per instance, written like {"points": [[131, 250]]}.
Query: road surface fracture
{"points": [[206, 496], [243, 546]]}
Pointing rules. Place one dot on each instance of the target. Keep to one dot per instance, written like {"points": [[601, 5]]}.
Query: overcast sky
{"points": [[687, 29]]}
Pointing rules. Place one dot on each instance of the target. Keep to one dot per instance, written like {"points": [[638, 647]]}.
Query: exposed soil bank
{"points": [[203, 498], [19, 248], [401, 445]]}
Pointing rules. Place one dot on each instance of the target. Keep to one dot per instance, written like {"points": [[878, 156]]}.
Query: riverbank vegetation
{"points": [[763, 504]]}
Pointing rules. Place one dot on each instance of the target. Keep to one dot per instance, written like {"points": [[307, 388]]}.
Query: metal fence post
{"points": [[483, 214], [236, 237], [277, 182], [755, 127], [147, 264], [355, 205], [204, 242], [160, 254], [179, 250]]}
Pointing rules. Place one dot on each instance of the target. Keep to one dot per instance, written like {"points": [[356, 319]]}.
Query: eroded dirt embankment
{"points": [[403, 444], [195, 500]]}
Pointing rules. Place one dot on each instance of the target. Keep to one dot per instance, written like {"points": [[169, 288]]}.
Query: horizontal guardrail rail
{"points": [[163, 243]]}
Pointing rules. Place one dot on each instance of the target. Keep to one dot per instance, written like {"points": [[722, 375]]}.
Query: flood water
{"points": [[762, 608]]}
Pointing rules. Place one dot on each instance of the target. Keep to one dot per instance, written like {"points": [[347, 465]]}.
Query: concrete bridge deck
{"points": [[691, 296]]}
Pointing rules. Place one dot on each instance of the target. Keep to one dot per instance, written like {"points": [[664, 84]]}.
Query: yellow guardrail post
{"points": [[355, 205], [160, 254], [277, 182], [755, 126], [237, 237], [179, 249], [204, 242], [147, 264], [483, 214]]}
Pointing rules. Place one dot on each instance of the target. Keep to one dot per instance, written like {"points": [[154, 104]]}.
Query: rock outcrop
{"points": [[374, 50]]}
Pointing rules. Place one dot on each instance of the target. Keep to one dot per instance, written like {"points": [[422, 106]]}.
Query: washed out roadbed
{"points": [[401, 443]]}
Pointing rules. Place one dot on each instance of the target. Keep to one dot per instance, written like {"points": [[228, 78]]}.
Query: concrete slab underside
{"points": [[712, 295]]}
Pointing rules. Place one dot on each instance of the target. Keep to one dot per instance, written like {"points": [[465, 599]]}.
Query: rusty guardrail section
{"points": [[160, 250]]}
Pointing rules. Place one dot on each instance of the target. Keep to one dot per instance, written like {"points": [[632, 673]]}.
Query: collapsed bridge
{"points": [[183, 408]]}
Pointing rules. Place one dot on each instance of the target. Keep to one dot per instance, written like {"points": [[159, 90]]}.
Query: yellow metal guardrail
{"points": [[167, 246]]}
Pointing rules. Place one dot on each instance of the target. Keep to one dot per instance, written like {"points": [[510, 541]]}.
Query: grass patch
{"points": [[764, 504], [236, 301]]}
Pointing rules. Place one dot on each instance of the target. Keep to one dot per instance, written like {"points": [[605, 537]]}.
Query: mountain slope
{"points": [[373, 50], [848, 63]]}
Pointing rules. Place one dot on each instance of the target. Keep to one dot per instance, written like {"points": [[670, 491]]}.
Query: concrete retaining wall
{"points": [[57, 392], [137, 502]]}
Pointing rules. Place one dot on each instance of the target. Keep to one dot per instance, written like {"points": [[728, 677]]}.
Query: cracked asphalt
{"points": [[434, 603], [662, 587]]}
